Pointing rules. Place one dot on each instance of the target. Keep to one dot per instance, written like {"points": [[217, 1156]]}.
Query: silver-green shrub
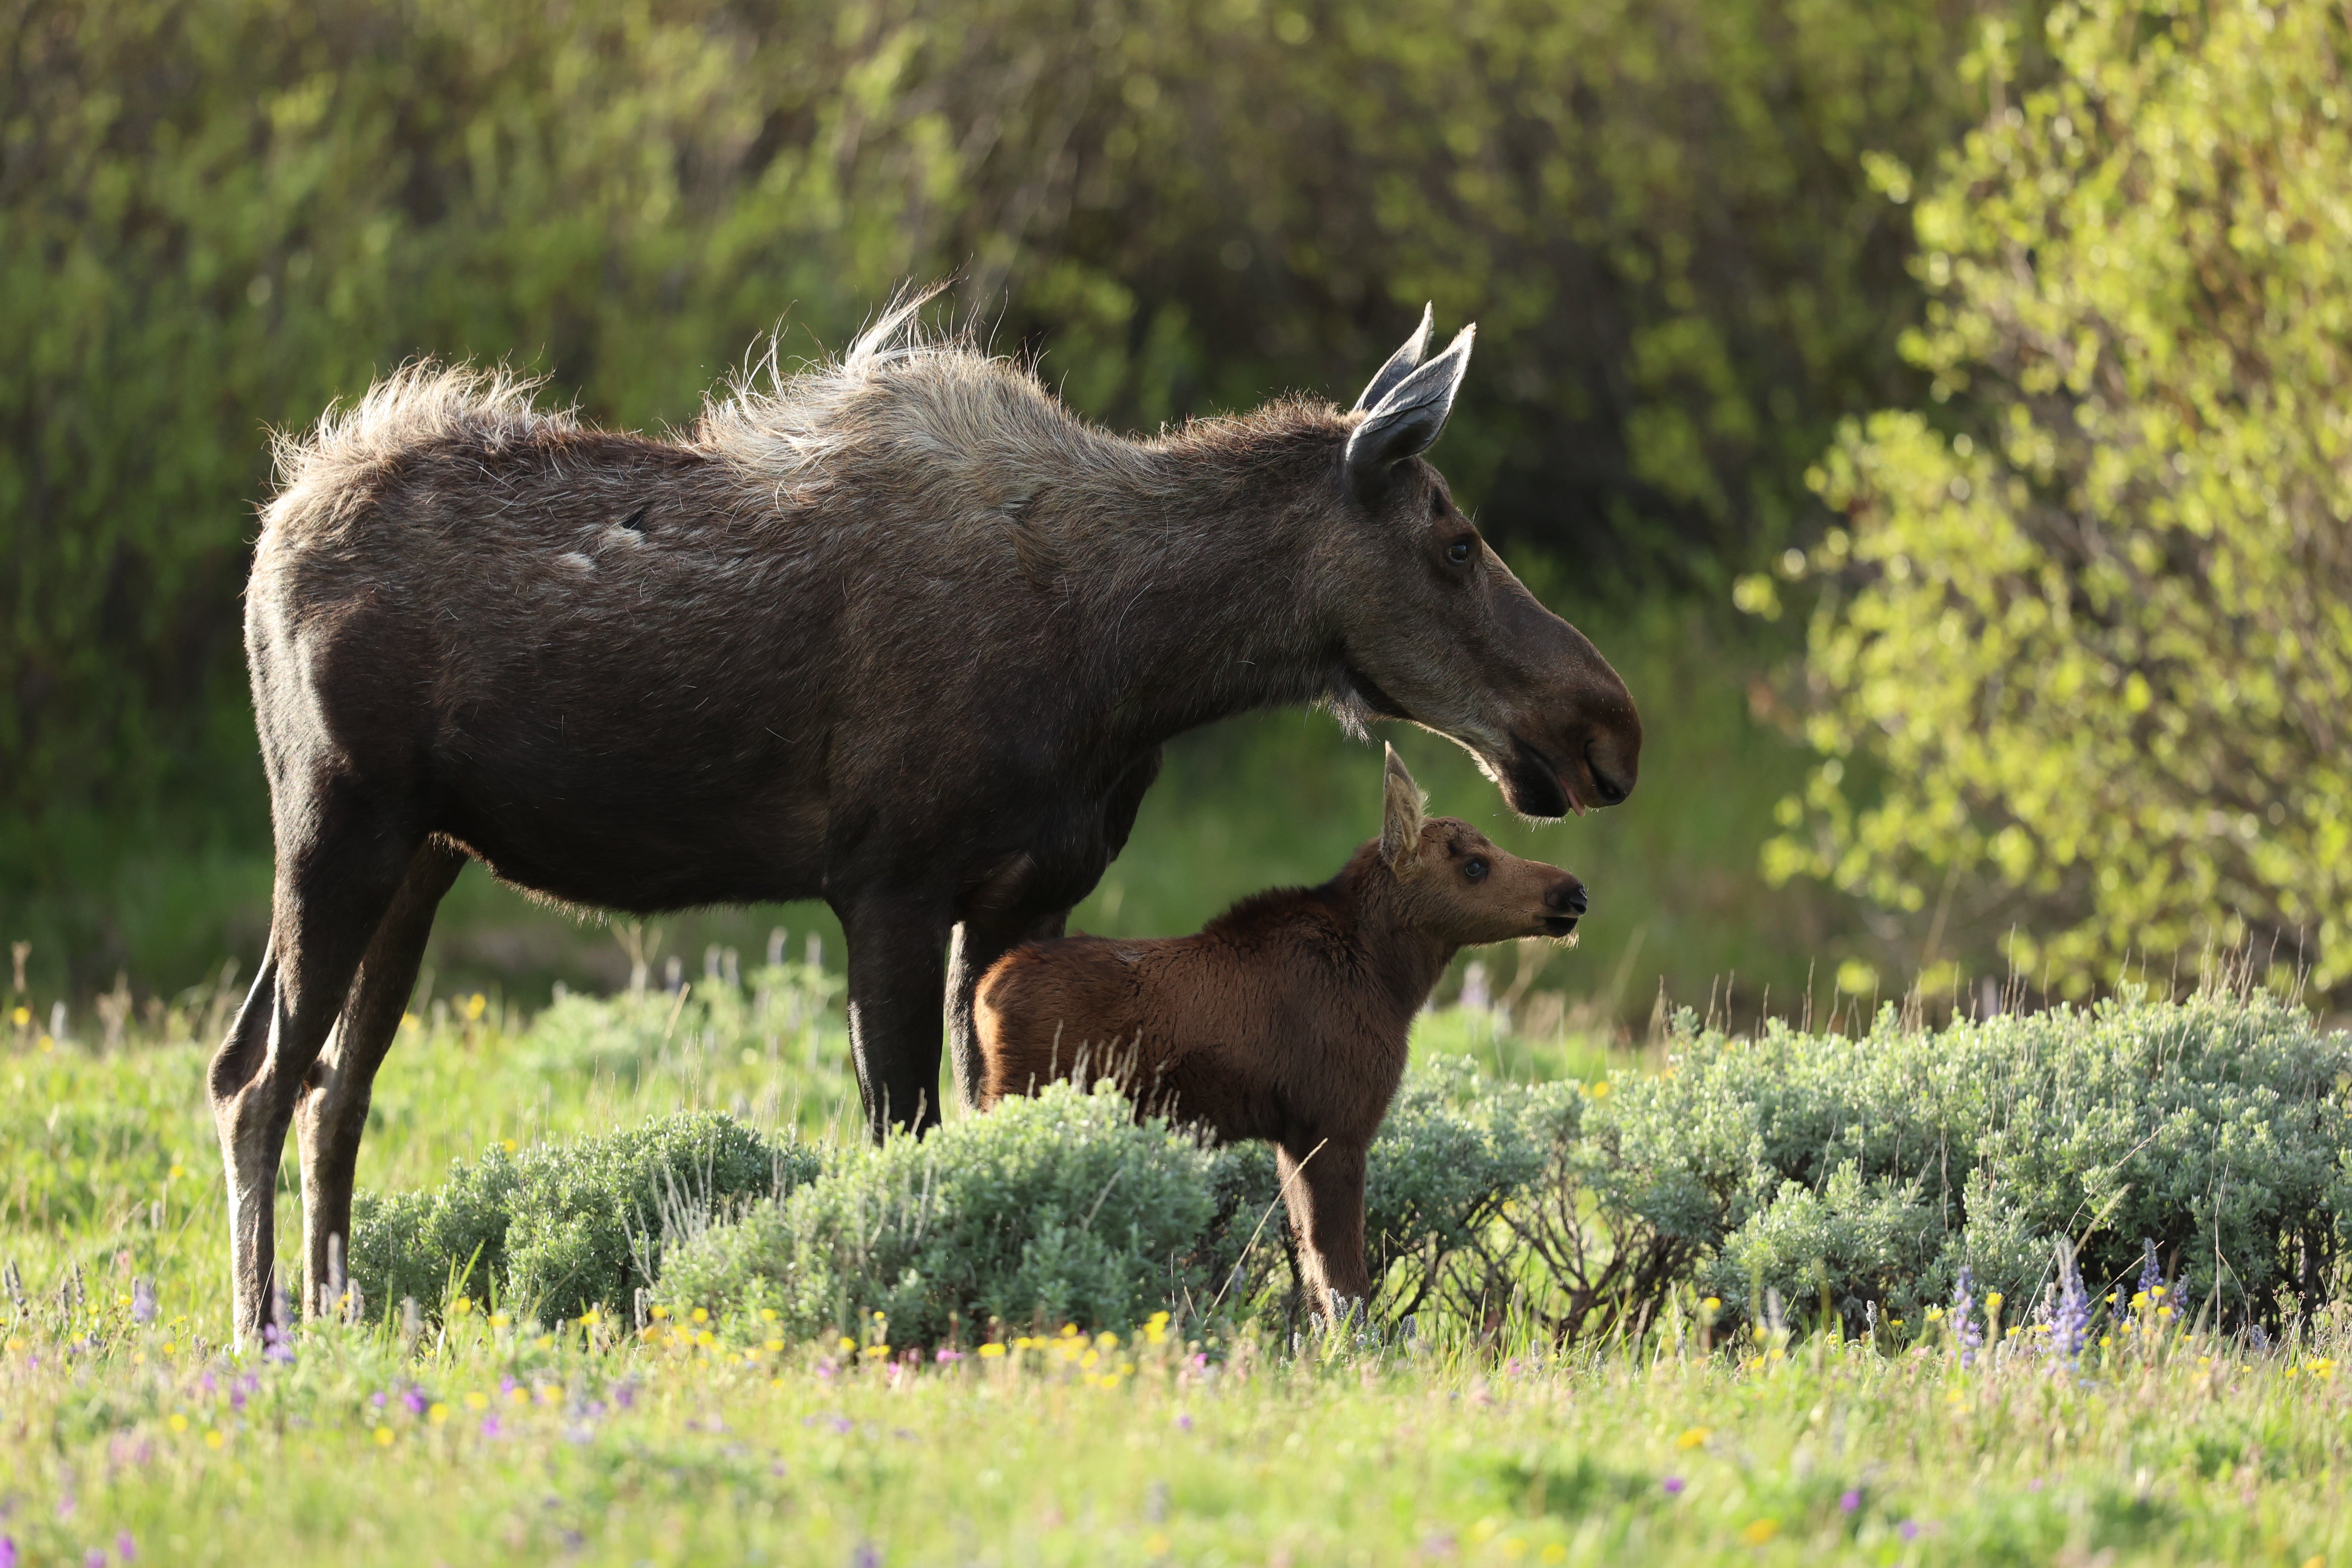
{"points": [[558, 1229], [1869, 1170], [1053, 1209]]}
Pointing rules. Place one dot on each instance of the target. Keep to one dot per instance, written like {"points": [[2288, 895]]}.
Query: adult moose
{"points": [[898, 632]]}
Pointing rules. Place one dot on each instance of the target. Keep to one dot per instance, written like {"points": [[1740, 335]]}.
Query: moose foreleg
{"points": [[1323, 1188], [898, 982]]}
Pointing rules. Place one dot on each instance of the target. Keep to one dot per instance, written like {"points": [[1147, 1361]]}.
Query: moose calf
{"points": [[1287, 1017]]}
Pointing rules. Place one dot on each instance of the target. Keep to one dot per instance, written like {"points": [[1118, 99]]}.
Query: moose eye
{"points": [[1475, 868], [1459, 552]]}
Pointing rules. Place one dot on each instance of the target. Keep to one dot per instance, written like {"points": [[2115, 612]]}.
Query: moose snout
{"points": [[1612, 769], [1564, 902]]}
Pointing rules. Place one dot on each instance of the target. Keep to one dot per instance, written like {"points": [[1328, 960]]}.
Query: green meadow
{"points": [[465, 1430]]}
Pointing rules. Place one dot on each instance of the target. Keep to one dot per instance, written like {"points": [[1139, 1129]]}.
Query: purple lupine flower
{"points": [[624, 1394], [1966, 1329], [415, 1400], [142, 1300], [868, 1555], [125, 1547], [2070, 1325], [2151, 1275], [1184, 1422], [490, 1427], [1849, 1500], [7, 1552], [1674, 1485], [945, 1356], [1908, 1530]]}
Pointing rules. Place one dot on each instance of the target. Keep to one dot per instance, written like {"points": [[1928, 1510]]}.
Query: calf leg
{"points": [[1323, 1189], [898, 982], [979, 940], [334, 1108], [338, 867]]}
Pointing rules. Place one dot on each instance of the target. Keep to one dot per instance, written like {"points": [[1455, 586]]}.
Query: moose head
{"points": [[1434, 629]]}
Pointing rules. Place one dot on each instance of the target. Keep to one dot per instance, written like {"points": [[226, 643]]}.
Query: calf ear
{"points": [[1407, 419], [1402, 364], [1400, 812]]}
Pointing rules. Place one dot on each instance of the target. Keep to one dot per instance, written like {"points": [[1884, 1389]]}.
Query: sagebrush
{"points": [[557, 1229]]}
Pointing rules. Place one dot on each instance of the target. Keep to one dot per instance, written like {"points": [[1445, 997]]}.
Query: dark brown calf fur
{"points": [[1287, 1017], [898, 632]]}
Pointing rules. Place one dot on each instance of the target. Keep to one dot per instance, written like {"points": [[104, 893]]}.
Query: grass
{"points": [[491, 1445], [488, 1441]]}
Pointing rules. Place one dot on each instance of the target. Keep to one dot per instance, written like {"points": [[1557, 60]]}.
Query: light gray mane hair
{"points": [[920, 423]]}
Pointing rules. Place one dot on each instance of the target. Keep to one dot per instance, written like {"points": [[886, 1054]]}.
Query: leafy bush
{"points": [[2095, 618], [1871, 1169], [216, 216], [558, 1229], [1456, 1151], [1059, 1207]]}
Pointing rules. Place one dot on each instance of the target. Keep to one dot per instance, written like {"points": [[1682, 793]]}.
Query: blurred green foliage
{"points": [[218, 216], [2098, 635]]}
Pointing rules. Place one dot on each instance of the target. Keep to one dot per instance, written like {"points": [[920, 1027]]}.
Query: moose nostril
{"points": [[1568, 897], [1609, 790]]}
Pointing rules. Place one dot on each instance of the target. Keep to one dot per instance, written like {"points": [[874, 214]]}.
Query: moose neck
{"points": [[1407, 960], [1209, 605]]}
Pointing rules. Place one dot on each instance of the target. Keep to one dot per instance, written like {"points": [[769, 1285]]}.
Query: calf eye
{"points": [[1459, 552], [1475, 868]]}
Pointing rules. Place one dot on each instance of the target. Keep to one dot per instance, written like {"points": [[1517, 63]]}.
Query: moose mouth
{"points": [[1535, 787], [1559, 925]]}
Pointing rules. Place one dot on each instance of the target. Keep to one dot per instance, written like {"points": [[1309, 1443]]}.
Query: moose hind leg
{"points": [[979, 942], [333, 1109], [337, 875]]}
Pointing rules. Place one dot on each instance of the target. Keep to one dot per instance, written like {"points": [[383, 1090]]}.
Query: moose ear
{"points": [[1406, 421], [1402, 364], [1401, 806]]}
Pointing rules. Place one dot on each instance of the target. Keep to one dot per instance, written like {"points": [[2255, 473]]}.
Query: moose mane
{"points": [[924, 423], [980, 426]]}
